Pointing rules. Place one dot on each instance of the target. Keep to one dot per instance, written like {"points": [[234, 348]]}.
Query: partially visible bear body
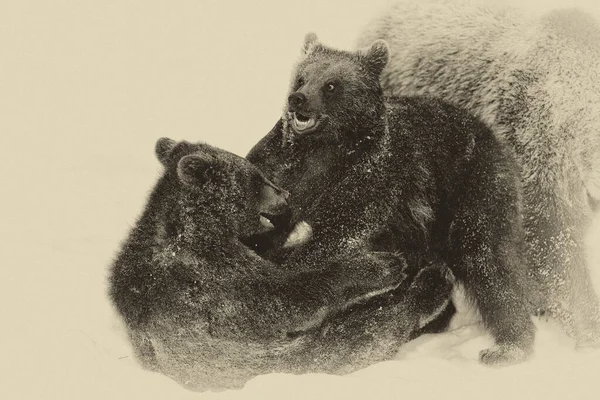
{"points": [[204, 309], [537, 84], [410, 175]]}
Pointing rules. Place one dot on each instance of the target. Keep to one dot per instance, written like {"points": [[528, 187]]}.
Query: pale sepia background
{"points": [[86, 88]]}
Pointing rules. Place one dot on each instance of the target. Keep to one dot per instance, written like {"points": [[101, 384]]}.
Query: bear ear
{"points": [[163, 149], [198, 169], [377, 56], [310, 41]]}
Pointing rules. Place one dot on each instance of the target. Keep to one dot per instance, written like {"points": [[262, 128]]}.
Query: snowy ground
{"points": [[86, 88]]}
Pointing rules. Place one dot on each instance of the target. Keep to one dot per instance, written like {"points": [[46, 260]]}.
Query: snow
{"points": [[86, 88]]}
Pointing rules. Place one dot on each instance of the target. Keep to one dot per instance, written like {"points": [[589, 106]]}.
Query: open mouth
{"points": [[303, 123], [265, 222]]}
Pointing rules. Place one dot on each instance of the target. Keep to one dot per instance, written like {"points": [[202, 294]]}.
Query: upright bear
{"points": [[410, 175], [207, 311], [536, 82]]}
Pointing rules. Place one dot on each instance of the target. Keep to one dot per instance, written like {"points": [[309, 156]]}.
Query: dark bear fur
{"points": [[204, 309], [411, 175]]}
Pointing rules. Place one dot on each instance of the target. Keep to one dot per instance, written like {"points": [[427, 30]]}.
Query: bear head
{"points": [[213, 192], [335, 93]]}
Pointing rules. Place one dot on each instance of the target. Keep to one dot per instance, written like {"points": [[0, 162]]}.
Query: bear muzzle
{"points": [[273, 203], [301, 119]]}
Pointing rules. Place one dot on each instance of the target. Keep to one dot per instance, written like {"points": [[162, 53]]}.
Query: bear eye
{"points": [[300, 82], [330, 87]]}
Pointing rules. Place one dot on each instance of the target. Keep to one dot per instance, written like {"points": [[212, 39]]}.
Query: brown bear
{"points": [[412, 175], [536, 82], [206, 310]]}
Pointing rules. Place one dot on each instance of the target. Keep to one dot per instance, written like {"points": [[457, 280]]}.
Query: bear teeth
{"points": [[303, 124], [265, 222]]}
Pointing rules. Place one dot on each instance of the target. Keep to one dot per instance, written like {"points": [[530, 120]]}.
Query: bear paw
{"points": [[503, 355], [433, 279]]}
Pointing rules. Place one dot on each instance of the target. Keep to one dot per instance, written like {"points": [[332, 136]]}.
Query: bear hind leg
{"points": [[556, 246]]}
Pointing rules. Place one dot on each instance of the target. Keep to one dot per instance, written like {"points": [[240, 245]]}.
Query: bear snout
{"points": [[296, 100], [274, 200]]}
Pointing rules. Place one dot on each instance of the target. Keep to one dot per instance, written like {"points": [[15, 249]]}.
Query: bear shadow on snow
{"points": [[409, 175], [204, 309]]}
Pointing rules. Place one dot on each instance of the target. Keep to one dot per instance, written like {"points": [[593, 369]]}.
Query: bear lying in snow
{"points": [[411, 175], [536, 82], [204, 309]]}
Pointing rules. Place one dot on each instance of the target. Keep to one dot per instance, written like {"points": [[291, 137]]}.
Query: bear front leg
{"points": [[268, 154], [280, 304], [361, 276], [485, 257], [352, 279]]}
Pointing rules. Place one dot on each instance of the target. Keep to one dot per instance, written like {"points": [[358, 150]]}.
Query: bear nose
{"points": [[281, 192], [296, 100]]}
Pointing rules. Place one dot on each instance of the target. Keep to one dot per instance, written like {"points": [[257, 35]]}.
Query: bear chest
{"points": [[310, 175]]}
